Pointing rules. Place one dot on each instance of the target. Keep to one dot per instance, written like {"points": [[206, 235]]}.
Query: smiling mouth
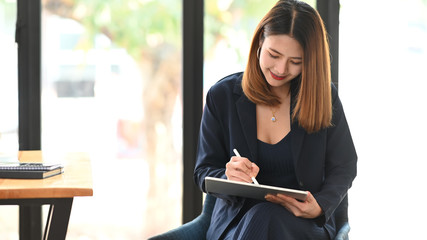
{"points": [[276, 77]]}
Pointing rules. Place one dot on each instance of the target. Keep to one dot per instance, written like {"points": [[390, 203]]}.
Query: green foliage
{"points": [[144, 25], [227, 20], [133, 24]]}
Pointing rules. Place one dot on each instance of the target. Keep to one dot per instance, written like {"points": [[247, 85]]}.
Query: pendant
{"points": [[273, 119]]}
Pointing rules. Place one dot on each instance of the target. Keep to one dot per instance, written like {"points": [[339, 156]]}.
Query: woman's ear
{"points": [[260, 42], [261, 39]]}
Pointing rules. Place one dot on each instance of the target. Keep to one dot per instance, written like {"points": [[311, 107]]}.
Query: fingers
{"points": [[307, 209], [287, 202], [281, 199], [242, 161], [255, 170], [237, 176], [240, 169]]}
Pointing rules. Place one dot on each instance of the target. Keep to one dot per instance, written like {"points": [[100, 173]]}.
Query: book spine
{"points": [[21, 175]]}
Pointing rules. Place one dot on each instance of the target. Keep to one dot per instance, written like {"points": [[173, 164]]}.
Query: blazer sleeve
{"points": [[212, 152], [340, 161]]}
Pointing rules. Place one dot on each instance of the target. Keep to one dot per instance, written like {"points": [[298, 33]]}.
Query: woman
{"points": [[285, 118]]}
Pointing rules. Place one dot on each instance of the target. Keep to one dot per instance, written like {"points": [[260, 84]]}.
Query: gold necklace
{"points": [[273, 118], [273, 113]]}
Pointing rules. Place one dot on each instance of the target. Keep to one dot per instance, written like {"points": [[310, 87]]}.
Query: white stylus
{"points": [[238, 154]]}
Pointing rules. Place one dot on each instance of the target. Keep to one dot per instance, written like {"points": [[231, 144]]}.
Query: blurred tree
{"points": [[150, 31]]}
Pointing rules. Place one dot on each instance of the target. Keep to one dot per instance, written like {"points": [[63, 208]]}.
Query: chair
{"points": [[197, 228]]}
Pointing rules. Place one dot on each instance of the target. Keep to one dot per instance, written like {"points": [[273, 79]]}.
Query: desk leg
{"points": [[57, 219], [30, 222]]}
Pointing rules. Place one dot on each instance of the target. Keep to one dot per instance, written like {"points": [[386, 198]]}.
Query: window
{"points": [[9, 82], [383, 59], [8, 106], [111, 86]]}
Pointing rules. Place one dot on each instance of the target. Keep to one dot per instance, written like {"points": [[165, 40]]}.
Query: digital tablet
{"points": [[248, 190]]}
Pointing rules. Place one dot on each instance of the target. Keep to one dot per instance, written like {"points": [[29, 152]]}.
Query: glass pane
{"points": [[111, 84], [229, 28], [382, 84], [8, 106], [9, 83]]}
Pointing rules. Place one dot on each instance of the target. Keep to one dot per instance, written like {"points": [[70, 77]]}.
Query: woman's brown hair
{"points": [[312, 105]]}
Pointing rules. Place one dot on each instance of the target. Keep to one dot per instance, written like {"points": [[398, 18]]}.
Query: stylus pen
{"points": [[238, 154]]}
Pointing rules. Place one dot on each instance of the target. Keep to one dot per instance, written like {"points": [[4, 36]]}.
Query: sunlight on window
{"points": [[111, 87], [383, 59], [8, 106]]}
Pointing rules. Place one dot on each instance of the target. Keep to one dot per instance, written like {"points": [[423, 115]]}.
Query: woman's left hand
{"points": [[307, 209]]}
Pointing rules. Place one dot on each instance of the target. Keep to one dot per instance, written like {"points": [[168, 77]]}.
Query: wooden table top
{"points": [[75, 181]]}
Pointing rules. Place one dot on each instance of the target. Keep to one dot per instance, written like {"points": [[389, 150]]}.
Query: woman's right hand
{"points": [[241, 169]]}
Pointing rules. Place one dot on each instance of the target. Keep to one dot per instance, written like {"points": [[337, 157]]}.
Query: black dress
{"points": [[265, 220]]}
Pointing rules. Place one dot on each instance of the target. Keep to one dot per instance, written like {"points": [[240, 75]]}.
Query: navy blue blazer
{"points": [[325, 161]]}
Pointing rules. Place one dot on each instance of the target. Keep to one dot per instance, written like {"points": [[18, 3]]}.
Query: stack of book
{"points": [[29, 170]]}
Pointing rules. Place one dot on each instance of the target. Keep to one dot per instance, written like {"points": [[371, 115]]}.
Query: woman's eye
{"points": [[296, 63], [273, 56]]}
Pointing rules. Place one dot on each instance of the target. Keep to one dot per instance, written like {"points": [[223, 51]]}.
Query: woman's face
{"points": [[280, 59]]}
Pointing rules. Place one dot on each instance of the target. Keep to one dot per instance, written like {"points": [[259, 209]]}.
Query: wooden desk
{"points": [[57, 191]]}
